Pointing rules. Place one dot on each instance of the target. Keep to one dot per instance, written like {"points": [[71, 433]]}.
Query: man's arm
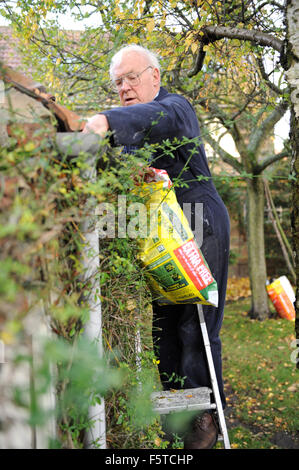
{"points": [[155, 121]]}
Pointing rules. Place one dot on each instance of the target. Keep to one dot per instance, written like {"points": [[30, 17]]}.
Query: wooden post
{"points": [[71, 144]]}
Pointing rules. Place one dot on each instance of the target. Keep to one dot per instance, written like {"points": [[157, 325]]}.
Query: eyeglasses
{"points": [[132, 79]]}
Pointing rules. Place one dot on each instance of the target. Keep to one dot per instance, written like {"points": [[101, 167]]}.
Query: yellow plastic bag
{"points": [[176, 269]]}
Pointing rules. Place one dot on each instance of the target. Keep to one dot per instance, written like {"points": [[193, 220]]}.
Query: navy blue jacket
{"points": [[169, 116]]}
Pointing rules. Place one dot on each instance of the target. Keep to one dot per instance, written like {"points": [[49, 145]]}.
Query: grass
{"points": [[261, 380]]}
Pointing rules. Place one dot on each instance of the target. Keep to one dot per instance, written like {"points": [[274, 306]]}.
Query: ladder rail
{"points": [[214, 382]]}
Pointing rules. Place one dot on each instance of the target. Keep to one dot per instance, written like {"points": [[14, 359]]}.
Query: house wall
{"points": [[238, 244]]}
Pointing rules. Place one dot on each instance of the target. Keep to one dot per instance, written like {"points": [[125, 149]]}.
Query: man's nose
{"points": [[125, 85]]}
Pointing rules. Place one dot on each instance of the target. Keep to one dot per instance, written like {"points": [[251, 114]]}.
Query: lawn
{"points": [[261, 385], [261, 380]]}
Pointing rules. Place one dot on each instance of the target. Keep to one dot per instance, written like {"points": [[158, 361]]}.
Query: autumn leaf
{"points": [[150, 25], [237, 288]]}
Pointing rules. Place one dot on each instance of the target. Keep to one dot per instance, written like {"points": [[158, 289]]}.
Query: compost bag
{"points": [[282, 295], [176, 269]]}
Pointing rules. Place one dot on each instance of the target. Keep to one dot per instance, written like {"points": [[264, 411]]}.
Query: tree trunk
{"points": [[294, 135], [292, 66], [256, 249]]}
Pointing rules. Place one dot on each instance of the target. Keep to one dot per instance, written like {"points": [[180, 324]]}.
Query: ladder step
{"points": [[165, 402]]}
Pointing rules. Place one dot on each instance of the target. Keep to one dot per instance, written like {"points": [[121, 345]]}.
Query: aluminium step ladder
{"points": [[170, 401]]}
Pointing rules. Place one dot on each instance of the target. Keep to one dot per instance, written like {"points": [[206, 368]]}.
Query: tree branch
{"points": [[198, 62], [230, 125], [225, 156], [261, 132], [213, 33], [259, 168], [265, 76]]}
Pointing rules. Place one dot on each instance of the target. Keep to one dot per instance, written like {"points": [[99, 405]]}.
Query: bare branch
{"points": [[224, 155], [265, 76], [261, 132], [228, 123], [213, 33], [259, 168], [198, 62]]}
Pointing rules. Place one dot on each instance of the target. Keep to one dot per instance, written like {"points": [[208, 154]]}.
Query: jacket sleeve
{"points": [[152, 122]]}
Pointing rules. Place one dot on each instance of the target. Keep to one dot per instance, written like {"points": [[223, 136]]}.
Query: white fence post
{"points": [[73, 144], [96, 435]]}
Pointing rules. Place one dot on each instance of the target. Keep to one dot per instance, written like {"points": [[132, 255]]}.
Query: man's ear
{"points": [[156, 76]]}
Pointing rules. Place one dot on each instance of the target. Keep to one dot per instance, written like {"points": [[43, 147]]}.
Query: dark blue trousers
{"points": [[177, 334]]}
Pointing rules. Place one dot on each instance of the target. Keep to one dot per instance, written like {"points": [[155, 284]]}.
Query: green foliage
{"points": [[44, 200]]}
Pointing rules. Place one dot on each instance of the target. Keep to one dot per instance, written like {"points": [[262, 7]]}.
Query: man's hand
{"points": [[97, 124]]}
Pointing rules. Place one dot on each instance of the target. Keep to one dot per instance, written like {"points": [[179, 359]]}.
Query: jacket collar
{"points": [[162, 93]]}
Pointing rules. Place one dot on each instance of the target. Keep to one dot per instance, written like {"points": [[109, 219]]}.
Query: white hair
{"points": [[116, 59]]}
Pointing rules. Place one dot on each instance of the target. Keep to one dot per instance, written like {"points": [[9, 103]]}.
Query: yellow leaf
{"points": [[150, 25], [29, 147], [117, 11], [157, 442], [131, 305], [34, 27], [293, 388], [234, 445], [188, 42], [193, 47], [7, 337]]}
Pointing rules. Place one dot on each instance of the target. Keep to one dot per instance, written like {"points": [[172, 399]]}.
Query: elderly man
{"points": [[148, 113]]}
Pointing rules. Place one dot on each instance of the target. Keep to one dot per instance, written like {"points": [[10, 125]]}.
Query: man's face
{"points": [[149, 81]]}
